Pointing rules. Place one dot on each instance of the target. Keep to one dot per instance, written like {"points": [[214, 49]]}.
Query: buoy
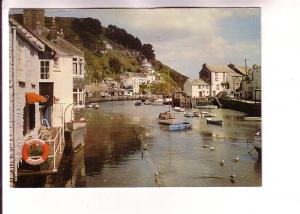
{"points": [[36, 142], [205, 146], [222, 162], [212, 148]]}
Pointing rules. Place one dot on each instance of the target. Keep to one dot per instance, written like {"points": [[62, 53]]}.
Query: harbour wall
{"points": [[251, 108]]}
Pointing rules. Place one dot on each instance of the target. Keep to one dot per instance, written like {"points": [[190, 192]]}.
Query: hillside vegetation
{"points": [[126, 54]]}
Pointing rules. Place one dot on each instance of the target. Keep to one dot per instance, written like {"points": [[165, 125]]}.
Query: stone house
{"points": [[221, 78], [24, 71], [196, 88]]}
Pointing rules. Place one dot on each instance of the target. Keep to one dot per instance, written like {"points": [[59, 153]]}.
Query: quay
{"points": [[248, 106]]}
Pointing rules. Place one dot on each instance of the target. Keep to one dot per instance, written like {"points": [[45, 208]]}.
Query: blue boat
{"points": [[180, 126]]}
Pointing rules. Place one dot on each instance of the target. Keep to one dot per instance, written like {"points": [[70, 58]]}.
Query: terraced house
{"points": [[46, 81]]}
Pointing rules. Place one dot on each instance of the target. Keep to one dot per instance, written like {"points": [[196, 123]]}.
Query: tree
{"points": [[147, 51], [115, 65]]}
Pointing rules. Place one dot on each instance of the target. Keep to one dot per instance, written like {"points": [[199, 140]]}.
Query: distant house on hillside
{"points": [[146, 67], [196, 88]]}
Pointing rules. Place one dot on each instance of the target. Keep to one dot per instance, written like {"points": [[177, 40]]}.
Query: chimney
{"points": [[53, 31], [33, 16]]}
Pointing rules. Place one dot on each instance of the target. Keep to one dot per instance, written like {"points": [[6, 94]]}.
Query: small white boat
{"points": [[206, 107], [157, 102], [196, 114], [147, 102], [188, 114], [207, 114], [95, 105], [253, 118], [180, 126], [89, 106], [179, 109]]}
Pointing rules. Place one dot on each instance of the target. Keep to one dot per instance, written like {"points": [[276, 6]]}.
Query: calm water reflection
{"points": [[116, 134]]}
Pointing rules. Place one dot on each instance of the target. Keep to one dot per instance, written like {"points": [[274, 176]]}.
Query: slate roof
{"points": [[29, 37]]}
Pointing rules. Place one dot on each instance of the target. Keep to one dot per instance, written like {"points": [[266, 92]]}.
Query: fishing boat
{"points": [[179, 109], [196, 114], [214, 121], [206, 107], [180, 126], [188, 114], [138, 103]]}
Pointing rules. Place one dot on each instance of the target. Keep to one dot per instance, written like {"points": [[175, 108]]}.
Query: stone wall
{"points": [[26, 80]]}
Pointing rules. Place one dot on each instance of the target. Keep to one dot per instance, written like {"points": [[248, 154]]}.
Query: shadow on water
{"points": [[110, 139]]}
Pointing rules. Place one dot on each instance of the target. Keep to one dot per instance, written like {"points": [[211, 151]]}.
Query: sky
{"points": [[186, 38]]}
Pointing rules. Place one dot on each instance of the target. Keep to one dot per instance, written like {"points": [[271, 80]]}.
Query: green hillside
{"points": [[126, 56]]}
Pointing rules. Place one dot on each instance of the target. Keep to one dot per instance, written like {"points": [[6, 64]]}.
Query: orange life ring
{"points": [[25, 152]]}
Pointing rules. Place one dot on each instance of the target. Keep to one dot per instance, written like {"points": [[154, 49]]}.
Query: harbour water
{"points": [[126, 147]]}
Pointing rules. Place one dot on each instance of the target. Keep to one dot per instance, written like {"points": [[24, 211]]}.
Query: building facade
{"points": [[196, 88], [221, 78], [61, 69], [24, 71]]}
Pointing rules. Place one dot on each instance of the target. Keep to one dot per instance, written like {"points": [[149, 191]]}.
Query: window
{"points": [[44, 69], [218, 87], [75, 68], [199, 86], [207, 87], [29, 118], [216, 78]]}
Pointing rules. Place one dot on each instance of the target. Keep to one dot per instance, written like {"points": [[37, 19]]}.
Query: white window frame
{"points": [[44, 74]]}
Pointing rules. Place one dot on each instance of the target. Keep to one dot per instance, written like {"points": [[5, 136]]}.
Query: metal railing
{"points": [[55, 144]]}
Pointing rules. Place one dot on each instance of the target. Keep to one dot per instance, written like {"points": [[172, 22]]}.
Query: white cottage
{"points": [[61, 69], [196, 88], [24, 71]]}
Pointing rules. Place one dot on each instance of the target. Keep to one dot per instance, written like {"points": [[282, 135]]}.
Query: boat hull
{"points": [[180, 126], [215, 122]]}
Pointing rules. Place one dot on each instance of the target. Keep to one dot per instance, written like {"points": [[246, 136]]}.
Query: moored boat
{"points": [[179, 109], [253, 118], [180, 126], [166, 118], [147, 102], [214, 121], [196, 114], [188, 114], [167, 101], [206, 107], [157, 102], [207, 114], [138, 103]]}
